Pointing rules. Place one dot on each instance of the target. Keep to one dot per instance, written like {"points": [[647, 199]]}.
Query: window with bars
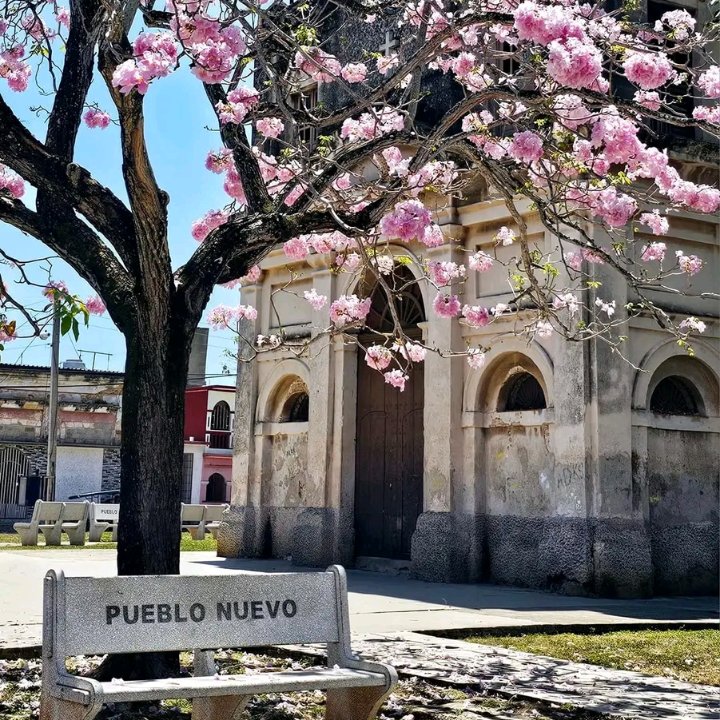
{"points": [[187, 473], [306, 99]]}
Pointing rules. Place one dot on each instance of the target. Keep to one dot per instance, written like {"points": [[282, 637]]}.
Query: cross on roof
{"points": [[391, 42]]}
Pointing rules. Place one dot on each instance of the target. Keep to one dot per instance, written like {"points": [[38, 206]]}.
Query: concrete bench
{"points": [[103, 517], [74, 518], [90, 616], [191, 519], [47, 519], [213, 517]]}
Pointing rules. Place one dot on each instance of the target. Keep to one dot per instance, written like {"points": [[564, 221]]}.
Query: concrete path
{"points": [[379, 604], [617, 693]]}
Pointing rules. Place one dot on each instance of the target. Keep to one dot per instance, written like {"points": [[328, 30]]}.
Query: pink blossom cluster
{"points": [[526, 147], [95, 118], [396, 378], [690, 264], [223, 316], [14, 69], [411, 351], [445, 272], [298, 248], [349, 262], [387, 63], [681, 24], [238, 105], [542, 328], [476, 315], [252, 276], [649, 100], [155, 56], [378, 357], [348, 309], [607, 307], [62, 15], [566, 300], [446, 306], [95, 306], [11, 183], [692, 324], [505, 236], [435, 175], [708, 114], [317, 301], [53, 288], [354, 72], [372, 125], [476, 358], [207, 223], [36, 28], [318, 65], [658, 224], [653, 251], [397, 164], [270, 127], [571, 111], [480, 261], [408, 221], [709, 82], [648, 70]]}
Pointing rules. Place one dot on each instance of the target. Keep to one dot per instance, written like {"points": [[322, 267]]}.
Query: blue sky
{"points": [[178, 128]]}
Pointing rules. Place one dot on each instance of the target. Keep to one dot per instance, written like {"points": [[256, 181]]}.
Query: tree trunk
{"points": [[151, 474]]}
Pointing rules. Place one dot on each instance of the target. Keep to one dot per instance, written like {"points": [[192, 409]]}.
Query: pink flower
{"points": [[680, 22], [571, 111], [476, 315], [691, 324], [219, 162], [574, 260], [607, 307], [222, 316], [444, 273], [396, 164], [354, 72], [446, 306], [238, 105], [396, 378], [412, 351], [62, 15], [505, 236], [318, 302], [709, 114], [574, 63], [408, 221], [252, 276], [650, 100], [476, 358], [14, 69], [480, 261], [297, 248], [653, 251], [95, 118], [433, 236], [709, 82], [659, 225], [648, 70], [349, 262], [569, 301], [95, 306], [11, 183], [372, 125], [690, 264], [526, 147], [542, 328], [207, 223], [317, 64], [348, 309], [387, 63], [378, 357], [53, 288], [270, 127]]}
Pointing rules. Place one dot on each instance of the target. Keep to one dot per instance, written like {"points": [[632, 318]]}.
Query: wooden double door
{"points": [[388, 463]]}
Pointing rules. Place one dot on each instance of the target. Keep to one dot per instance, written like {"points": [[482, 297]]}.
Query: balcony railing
{"points": [[219, 439]]}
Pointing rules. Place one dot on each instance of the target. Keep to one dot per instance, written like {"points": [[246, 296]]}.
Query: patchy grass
{"points": [[420, 700], [11, 541], [689, 655]]}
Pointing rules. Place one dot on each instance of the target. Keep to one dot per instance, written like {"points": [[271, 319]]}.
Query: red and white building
{"points": [[209, 416]]}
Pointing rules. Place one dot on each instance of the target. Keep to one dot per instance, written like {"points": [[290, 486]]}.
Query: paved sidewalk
{"points": [[379, 604], [617, 693]]}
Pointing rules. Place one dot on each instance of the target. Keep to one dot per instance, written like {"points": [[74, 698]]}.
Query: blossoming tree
{"points": [[554, 103]]}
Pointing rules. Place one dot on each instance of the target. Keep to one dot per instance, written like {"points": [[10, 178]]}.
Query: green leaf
{"points": [[65, 324], [75, 328]]}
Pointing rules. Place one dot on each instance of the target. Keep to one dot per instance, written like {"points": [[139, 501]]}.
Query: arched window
{"points": [[408, 302], [521, 391], [215, 488], [675, 395], [220, 418], [296, 408]]}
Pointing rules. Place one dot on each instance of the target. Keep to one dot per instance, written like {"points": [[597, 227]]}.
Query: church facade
{"points": [[557, 465]]}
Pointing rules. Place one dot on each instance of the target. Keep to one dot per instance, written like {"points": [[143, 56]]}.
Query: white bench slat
{"points": [[296, 680]]}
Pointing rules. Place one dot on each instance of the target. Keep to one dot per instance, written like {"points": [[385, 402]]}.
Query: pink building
{"points": [[207, 462]]}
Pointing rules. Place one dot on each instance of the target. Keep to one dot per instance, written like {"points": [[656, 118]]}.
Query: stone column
{"points": [[444, 542], [621, 545], [315, 524], [241, 532]]}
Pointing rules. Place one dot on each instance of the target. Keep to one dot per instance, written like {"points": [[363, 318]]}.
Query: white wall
{"points": [[79, 470]]}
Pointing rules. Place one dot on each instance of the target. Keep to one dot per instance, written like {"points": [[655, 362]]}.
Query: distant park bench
{"points": [[103, 517], [52, 519], [199, 519], [92, 616]]}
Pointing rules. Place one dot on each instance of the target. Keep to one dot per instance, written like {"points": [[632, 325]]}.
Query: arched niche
{"points": [[288, 378], [505, 378], [663, 361], [220, 416]]}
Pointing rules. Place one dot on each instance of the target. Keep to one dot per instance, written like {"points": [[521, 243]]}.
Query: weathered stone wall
{"points": [[111, 469]]}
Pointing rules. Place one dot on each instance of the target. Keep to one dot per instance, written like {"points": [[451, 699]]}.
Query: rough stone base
{"points": [[685, 559], [317, 538], [622, 562], [240, 534], [447, 548]]}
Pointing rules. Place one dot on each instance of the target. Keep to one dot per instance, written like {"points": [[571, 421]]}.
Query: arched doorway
{"points": [[389, 436], [215, 489]]}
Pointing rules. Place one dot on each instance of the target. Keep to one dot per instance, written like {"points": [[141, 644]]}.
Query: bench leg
{"points": [[28, 536], [76, 536], [361, 703], [218, 708], [52, 535], [52, 708]]}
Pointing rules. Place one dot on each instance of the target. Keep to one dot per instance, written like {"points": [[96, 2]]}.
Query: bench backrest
{"points": [[75, 511], [104, 512], [86, 616], [192, 513], [214, 513], [49, 512]]}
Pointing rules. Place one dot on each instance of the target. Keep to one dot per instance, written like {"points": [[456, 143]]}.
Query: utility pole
{"points": [[53, 405]]}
